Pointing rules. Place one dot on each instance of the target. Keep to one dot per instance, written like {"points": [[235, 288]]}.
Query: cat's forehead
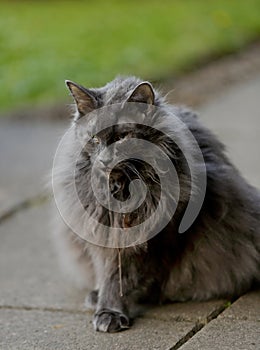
{"points": [[119, 89], [111, 119]]}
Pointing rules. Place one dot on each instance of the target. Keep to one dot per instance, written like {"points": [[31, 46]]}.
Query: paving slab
{"points": [[29, 271], [245, 308], [238, 327], [226, 335], [234, 116], [20, 330], [197, 312], [26, 154]]}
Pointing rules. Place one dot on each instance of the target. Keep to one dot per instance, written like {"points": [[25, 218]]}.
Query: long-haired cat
{"points": [[217, 256]]}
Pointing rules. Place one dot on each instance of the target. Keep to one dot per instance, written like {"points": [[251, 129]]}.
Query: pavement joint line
{"points": [[188, 336], [202, 323], [27, 203], [37, 308]]}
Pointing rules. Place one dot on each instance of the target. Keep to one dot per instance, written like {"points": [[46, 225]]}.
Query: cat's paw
{"points": [[110, 321]]}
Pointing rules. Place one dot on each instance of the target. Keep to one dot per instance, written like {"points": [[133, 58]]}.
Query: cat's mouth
{"points": [[120, 178], [119, 184], [124, 173]]}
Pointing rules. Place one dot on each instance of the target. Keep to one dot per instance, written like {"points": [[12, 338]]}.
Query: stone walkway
{"points": [[40, 310]]}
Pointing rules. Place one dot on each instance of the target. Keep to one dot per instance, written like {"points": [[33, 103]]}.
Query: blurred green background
{"points": [[42, 43]]}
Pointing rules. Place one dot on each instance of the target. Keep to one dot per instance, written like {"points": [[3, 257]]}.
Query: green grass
{"points": [[42, 43]]}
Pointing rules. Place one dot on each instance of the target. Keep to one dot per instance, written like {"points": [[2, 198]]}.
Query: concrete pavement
{"points": [[26, 152], [41, 310]]}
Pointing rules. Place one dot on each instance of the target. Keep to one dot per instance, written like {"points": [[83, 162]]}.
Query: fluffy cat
{"points": [[217, 256]]}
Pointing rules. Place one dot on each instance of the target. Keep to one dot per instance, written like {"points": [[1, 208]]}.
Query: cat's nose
{"points": [[105, 162], [107, 169]]}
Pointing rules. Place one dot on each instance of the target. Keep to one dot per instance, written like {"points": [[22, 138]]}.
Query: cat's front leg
{"points": [[112, 314]]}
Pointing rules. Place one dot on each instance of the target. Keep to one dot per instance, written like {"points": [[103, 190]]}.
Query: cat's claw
{"points": [[110, 321]]}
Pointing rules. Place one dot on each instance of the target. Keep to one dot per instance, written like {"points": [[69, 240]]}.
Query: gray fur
{"points": [[219, 256]]}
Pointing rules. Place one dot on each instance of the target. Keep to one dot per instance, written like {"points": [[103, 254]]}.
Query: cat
{"points": [[218, 256]]}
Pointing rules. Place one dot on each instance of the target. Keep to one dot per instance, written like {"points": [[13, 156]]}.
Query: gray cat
{"points": [[217, 256]]}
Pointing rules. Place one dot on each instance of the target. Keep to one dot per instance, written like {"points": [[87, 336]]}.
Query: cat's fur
{"points": [[218, 256]]}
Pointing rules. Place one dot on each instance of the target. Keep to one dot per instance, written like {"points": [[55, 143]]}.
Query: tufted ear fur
{"points": [[143, 93], [85, 99]]}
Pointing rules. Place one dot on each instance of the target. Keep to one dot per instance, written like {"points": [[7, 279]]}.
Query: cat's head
{"points": [[122, 161], [121, 110], [127, 105]]}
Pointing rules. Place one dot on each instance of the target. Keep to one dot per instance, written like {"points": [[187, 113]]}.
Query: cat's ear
{"points": [[142, 93], [84, 98]]}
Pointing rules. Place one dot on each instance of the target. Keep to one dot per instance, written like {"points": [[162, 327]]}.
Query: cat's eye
{"points": [[117, 138], [95, 139]]}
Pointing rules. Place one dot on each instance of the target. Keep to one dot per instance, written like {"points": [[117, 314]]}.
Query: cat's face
{"points": [[108, 153], [111, 150], [105, 153], [107, 147]]}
